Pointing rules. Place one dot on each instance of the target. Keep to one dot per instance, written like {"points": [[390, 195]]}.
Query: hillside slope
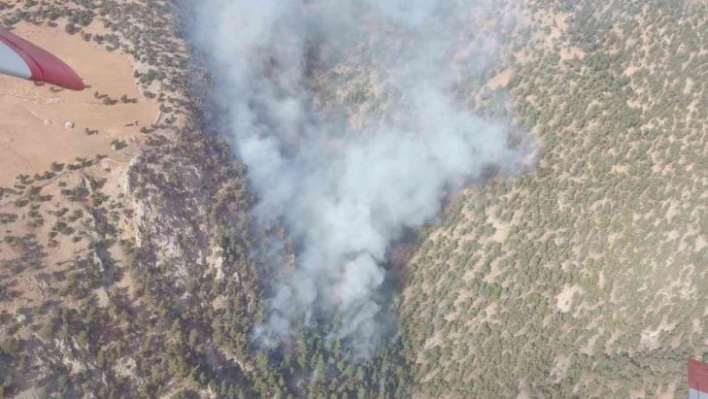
{"points": [[588, 276]]}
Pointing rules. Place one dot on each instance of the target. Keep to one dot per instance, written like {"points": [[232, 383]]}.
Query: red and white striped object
{"points": [[697, 380], [22, 59]]}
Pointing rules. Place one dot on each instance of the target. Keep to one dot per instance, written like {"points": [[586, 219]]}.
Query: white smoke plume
{"points": [[345, 193]]}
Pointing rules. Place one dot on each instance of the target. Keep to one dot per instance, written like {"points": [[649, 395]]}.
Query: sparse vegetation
{"points": [[586, 276], [583, 278], [117, 145]]}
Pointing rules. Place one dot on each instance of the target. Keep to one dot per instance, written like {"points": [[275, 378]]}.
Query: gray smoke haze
{"points": [[346, 191]]}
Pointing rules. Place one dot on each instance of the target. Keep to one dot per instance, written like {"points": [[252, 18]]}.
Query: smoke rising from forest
{"points": [[347, 184]]}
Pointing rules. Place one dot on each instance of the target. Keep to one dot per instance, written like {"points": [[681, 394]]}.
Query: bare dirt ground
{"points": [[33, 136], [32, 118]]}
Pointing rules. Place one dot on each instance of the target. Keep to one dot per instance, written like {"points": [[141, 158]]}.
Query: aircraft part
{"points": [[22, 59], [697, 380]]}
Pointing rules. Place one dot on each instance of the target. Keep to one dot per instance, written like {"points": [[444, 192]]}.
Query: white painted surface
{"points": [[694, 394], [12, 64]]}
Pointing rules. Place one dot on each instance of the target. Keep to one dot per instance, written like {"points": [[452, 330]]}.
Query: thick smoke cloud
{"points": [[346, 194]]}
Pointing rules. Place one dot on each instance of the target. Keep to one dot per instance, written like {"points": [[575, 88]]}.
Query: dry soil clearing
{"points": [[32, 118]]}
